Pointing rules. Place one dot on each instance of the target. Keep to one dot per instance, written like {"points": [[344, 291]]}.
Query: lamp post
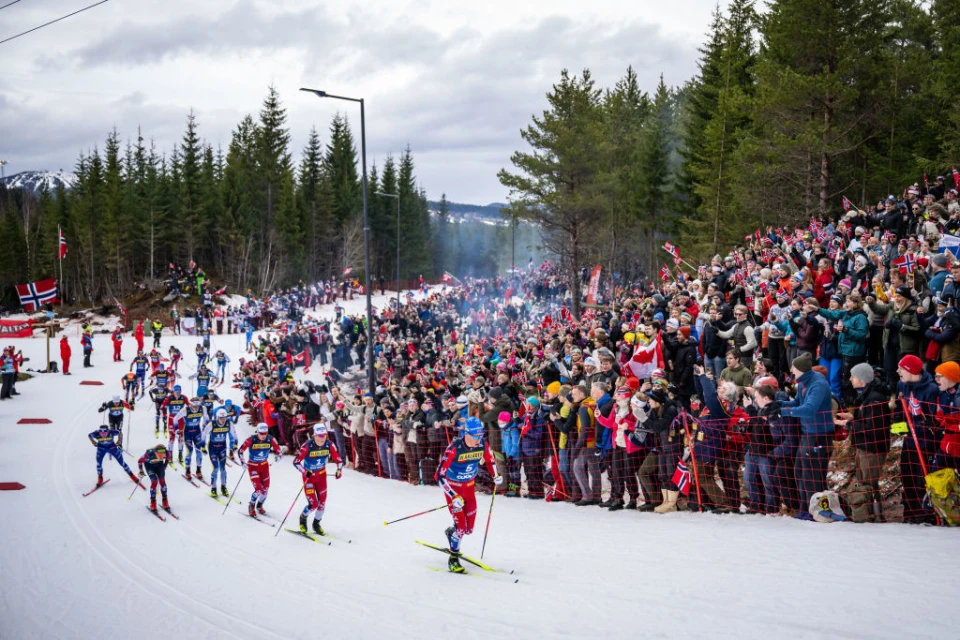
{"points": [[366, 229], [397, 196]]}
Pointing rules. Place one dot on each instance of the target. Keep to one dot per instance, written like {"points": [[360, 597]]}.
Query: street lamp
{"points": [[397, 196], [366, 230]]}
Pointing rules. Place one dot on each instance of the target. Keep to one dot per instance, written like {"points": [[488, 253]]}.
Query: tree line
{"points": [[790, 110], [248, 215]]}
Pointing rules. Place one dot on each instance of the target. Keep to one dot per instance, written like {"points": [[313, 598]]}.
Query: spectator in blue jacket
{"points": [[531, 446], [812, 406]]}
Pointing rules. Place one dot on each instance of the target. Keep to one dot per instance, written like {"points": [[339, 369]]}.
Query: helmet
{"points": [[319, 429], [263, 428], [116, 398], [473, 427]]}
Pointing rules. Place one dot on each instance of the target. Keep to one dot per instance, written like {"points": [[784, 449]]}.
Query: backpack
{"points": [[825, 507], [942, 491], [860, 501]]}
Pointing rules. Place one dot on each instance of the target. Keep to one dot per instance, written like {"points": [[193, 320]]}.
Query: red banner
{"points": [[594, 285], [16, 328]]}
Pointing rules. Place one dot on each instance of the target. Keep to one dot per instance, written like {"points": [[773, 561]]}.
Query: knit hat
{"points": [[533, 401], [684, 331], [911, 364], [941, 260], [554, 387], [803, 363], [949, 370], [768, 381], [864, 372], [846, 283], [503, 417], [659, 396], [673, 323], [633, 383]]}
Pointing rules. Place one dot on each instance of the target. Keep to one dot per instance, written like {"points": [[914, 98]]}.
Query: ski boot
{"points": [[153, 504], [317, 529], [133, 404], [156, 433], [99, 479], [260, 509], [134, 477], [453, 564], [213, 492], [199, 473], [303, 523], [180, 458], [251, 510], [164, 504], [223, 491], [187, 474]]}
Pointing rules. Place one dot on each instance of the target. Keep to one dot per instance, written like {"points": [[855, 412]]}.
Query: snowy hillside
{"points": [[36, 181], [103, 567]]}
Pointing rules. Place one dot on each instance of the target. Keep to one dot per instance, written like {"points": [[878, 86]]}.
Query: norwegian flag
{"points": [[34, 295], [672, 250], [678, 261], [914, 406], [62, 251], [820, 235], [664, 273], [220, 292], [757, 234], [123, 311], [348, 271], [956, 178], [906, 263], [303, 358], [681, 478], [846, 204], [788, 239], [926, 185]]}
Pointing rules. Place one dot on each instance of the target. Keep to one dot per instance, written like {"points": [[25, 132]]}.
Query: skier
{"points": [[215, 435], [162, 377], [117, 338], [202, 356], [208, 401], [233, 414], [65, 355], [114, 409], [130, 384], [193, 418], [221, 368], [109, 441], [203, 376], [153, 463], [158, 394], [175, 355], [140, 363], [311, 461], [248, 333], [455, 475], [154, 360], [260, 445], [174, 403]]}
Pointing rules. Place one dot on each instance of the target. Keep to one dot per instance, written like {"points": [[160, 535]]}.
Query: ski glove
{"points": [[457, 503], [277, 457], [339, 471], [498, 479], [142, 473], [203, 449], [307, 474]]}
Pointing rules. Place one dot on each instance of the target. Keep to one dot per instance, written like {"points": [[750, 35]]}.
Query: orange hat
{"points": [[949, 370]]}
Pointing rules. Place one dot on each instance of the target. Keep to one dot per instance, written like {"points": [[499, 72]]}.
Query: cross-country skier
{"points": [[109, 442], [114, 409], [163, 377], [248, 334], [215, 435], [233, 414], [154, 360], [261, 445], [117, 339], [456, 473], [202, 356], [153, 464], [193, 419], [174, 403], [222, 361], [131, 384], [158, 394], [204, 377], [311, 461], [175, 355]]}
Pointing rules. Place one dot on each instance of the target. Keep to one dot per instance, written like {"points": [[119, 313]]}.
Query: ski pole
{"points": [[489, 514], [136, 486], [235, 490], [292, 504], [443, 506]]}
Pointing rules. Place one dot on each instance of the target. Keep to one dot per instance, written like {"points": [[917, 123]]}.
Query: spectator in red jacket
{"points": [[65, 355]]}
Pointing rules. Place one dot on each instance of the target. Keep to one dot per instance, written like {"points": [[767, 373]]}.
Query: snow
{"points": [[102, 567], [36, 181]]}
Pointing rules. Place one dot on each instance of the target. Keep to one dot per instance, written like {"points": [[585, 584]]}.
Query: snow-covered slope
{"points": [[36, 181], [103, 567]]}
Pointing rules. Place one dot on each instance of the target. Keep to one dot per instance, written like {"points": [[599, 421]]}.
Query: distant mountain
{"points": [[459, 210], [36, 181]]}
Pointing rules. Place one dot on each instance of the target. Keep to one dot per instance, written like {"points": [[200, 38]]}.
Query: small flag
{"points": [[681, 478], [956, 178], [665, 273], [62, 252], [348, 271], [220, 292], [678, 261], [123, 311], [914, 406], [34, 295], [846, 204], [926, 185], [906, 263], [672, 250]]}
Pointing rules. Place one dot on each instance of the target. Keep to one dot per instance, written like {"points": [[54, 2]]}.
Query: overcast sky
{"points": [[454, 80]]}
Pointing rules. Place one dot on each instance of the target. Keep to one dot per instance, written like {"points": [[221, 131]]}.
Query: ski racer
{"points": [[153, 463], [215, 435], [193, 418], [261, 445], [311, 462], [109, 442], [114, 409]]}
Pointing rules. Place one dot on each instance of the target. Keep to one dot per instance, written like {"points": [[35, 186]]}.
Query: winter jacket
{"points": [[532, 434], [926, 392], [899, 325], [853, 340], [869, 429], [809, 332], [709, 432], [662, 425], [946, 332], [813, 404], [760, 440], [683, 363], [64, 348]]}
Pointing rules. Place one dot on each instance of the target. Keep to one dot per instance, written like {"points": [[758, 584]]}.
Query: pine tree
{"points": [[652, 172], [191, 181], [341, 160]]}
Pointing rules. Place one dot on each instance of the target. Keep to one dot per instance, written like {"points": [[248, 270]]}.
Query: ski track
{"points": [[111, 571]]}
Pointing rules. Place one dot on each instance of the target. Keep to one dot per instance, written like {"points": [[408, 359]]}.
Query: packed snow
{"points": [[103, 567]]}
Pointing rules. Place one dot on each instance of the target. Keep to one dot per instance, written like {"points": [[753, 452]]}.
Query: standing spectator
{"points": [[586, 465], [65, 355], [138, 334], [531, 447], [87, 342], [917, 385], [7, 372], [852, 328], [812, 406]]}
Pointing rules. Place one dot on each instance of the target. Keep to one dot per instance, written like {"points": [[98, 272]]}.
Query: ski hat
{"points": [[473, 427], [319, 429], [504, 417], [228, 402], [862, 372], [220, 414], [803, 363], [263, 428], [911, 364], [673, 323], [177, 387], [554, 387], [533, 402], [949, 370], [462, 401], [769, 381], [116, 398]]}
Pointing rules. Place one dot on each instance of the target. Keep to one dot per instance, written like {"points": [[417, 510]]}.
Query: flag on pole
{"points": [[62, 252], [914, 406], [348, 271], [846, 204], [905, 262], [672, 250], [123, 311], [34, 295], [681, 478], [665, 273]]}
